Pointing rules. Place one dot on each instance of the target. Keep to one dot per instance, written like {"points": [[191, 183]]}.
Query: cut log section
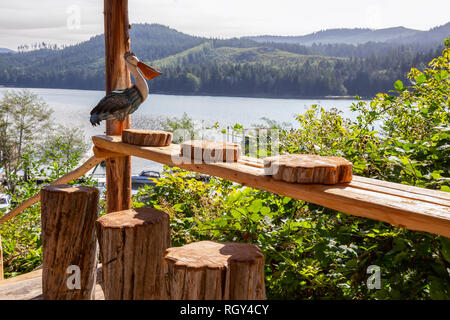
{"points": [[208, 270], [132, 245], [210, 151], [147, 138], [309, 168], [69, 245]]}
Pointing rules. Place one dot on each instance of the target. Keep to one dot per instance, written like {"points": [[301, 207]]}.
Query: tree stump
{"points": [[148, 138], [208, 270], [210, 151], [68, 242], [309, 168], [132, 245]]}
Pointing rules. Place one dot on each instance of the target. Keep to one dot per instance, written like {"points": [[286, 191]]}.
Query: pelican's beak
{"points": [[148, 71]]}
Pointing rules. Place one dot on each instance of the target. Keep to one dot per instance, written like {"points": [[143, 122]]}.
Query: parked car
{"points": [[146, 177]]}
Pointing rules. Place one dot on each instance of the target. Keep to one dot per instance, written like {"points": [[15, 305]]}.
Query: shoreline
{"points": [[203, 94]]}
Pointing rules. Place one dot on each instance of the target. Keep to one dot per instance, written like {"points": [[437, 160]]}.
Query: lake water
{"points": [[72, 108]]}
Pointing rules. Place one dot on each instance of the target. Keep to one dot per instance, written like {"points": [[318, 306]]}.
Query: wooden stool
{"points": [[208, 270], [69, 245], [132, 245]]}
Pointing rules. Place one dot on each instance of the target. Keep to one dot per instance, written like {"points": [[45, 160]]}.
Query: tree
{"points": [[23, 119]]}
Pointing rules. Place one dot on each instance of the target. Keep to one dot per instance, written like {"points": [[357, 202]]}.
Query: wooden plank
{"points": [[28, 286], [407, 212], [403, 190], [406, 188], [117, 42]]}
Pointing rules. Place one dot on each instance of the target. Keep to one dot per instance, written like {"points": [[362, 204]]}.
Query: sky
{"points": [[73, 21]]}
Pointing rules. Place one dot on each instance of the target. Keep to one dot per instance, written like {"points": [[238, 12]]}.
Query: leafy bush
{"points": [[316, 253]]}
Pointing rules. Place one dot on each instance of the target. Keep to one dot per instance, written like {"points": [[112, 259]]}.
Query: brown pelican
{"points": [[120, 103]]}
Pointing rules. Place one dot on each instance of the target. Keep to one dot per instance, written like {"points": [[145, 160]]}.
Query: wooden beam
{"points": [[404, 206], [117, 42]]}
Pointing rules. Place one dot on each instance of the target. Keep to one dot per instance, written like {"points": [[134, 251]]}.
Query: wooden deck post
{"points": [[69, 245], [117, 42], [208, 270], [132, 245], [1, 260]]}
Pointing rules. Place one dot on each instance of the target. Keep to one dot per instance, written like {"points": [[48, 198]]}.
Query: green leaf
{"points": [[255, 217], [445, 251], [255, 206], [420, 79], [398, 85]]}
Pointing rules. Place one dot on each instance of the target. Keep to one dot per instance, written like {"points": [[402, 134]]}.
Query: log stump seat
{"points": [[132, 245], [208, 270]]}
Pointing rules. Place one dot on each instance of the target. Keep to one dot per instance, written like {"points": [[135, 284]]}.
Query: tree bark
{"points": [[1, 260], [68, 239], [117, 42], [132, 245], [208, 270]]}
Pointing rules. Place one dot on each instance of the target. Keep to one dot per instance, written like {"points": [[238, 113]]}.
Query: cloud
{"points": [[46, 20]]}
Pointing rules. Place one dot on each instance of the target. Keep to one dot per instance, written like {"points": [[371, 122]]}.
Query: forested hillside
{"points": [[242, 67]]}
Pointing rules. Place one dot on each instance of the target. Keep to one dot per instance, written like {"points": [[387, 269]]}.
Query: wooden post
{"points": [[132, 245], [1, 260], [68, 242], [208, 270], [117, 42]]}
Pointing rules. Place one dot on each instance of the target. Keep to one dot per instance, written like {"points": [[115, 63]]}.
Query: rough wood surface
{"points": [[75, 174], [117, 42], [405, 206], [210, 151], [1, 260], [150, 138], [309, 168], [208, 270], [132, 245], [28, 286], [68, 239]]}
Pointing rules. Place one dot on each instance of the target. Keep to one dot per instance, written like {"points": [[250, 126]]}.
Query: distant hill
{"points": [[6, 50], [238, 66], [360, 36]]}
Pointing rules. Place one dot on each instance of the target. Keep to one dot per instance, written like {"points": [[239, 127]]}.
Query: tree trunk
{"points": [[68, 242], [132, 245], [208, 270]]}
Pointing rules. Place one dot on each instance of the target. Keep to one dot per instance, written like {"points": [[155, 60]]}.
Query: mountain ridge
{"points": [[359, 36]]}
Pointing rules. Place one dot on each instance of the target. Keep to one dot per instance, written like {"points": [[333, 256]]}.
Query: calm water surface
{"points": [[72, 108]]}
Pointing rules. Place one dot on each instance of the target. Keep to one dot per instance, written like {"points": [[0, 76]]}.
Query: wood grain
{"points": [[1, 260], [117, 42], [210, 151], [68, 239], [150, 138], [414, 214], [132, 244], [209, 270], [309, 168]]}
